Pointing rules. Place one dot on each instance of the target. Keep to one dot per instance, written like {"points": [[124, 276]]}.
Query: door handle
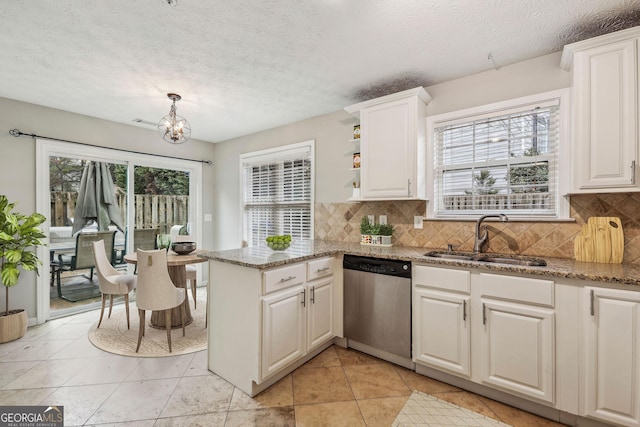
{"points": [[464, 310], [304, 297], [312, 298]]}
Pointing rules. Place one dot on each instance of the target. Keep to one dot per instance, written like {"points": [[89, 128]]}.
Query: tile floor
{"points": [[55, 364]]}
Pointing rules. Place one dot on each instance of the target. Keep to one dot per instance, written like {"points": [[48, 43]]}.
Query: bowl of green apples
{"points": [[279, 243]]}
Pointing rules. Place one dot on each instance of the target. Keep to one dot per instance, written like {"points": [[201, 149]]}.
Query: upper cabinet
{"points": [[392, 145], [605, 111]]}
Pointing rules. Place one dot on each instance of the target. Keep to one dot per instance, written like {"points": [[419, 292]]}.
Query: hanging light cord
{"points": [[17, 133]]}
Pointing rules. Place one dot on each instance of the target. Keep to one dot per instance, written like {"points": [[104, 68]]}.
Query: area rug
{"points": [[425, 410], [114, 337]]}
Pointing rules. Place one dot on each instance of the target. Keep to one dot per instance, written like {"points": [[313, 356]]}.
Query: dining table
{"points": [[176, 264]]}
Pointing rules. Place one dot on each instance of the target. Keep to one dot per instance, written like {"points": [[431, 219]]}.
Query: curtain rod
{"points": [[17, 133]]}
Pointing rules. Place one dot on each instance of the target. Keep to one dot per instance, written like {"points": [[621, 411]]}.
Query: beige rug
{"points": [[425, 410], [113, 336]]}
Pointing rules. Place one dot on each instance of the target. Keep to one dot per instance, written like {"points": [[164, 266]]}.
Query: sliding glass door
{"points": [[154, 193]]}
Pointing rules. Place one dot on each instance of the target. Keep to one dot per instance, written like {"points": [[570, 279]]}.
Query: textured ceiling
{"points": [[243, 66]]}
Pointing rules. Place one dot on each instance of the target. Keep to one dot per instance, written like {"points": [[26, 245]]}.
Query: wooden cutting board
{"points": [[601, 240]]}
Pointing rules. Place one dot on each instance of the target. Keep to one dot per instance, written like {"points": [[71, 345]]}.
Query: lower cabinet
{"points": [[517, 349], [442, 332], [296, 319], [283, 329], [611, 355], [496, 330]]}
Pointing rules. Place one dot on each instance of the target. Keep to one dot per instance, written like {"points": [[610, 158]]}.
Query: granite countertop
{"points": [[263, 258]]}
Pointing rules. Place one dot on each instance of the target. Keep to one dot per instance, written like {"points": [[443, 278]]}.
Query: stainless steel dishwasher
{"points": [[377, 307]]}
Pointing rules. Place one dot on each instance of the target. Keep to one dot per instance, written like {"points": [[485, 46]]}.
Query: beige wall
{"points": [[18, 174], [332, 132]]}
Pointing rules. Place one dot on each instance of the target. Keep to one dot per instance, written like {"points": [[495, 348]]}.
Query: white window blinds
{"points": [[503, 161], [277, 193]]}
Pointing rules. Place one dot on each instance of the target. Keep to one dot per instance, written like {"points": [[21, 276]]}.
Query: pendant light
{"points": [[174, 129]]}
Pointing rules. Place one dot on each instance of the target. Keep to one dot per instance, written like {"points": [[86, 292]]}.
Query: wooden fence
{"points": [[498, 201], [151, 211]]}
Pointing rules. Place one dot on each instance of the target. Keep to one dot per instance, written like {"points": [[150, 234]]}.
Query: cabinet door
{"points": [[283, 329], [611, 368], [388, 150], [517, 350], [320, 312], [605, 116], [442, 330]]}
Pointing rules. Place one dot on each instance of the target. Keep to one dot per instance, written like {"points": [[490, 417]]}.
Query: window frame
{"points": [[496, 109], [278, 154]]}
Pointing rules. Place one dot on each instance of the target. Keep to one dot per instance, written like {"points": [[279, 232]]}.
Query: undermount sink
{"points": [[492, 258]]}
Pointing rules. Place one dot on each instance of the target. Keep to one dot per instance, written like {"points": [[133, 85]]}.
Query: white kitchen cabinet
{"points": [[443, 335], [605, 111], [392, 145], [493, 329], [266, 322], [611, 355], [283, 329], [299, 317], [517, 335], [518, 348], [320, 312], [441, 322]]}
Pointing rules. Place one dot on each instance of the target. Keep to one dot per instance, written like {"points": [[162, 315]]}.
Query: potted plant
{"points": [[18, 235], [386, 230]]}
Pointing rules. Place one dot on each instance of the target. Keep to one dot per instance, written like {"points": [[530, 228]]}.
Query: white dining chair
{"points": [[156, 291], [111, 281]]}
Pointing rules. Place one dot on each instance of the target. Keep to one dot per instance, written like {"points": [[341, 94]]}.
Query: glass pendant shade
{"points": [[174, 129]]}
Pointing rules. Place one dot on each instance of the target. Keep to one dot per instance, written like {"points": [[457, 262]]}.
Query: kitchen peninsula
{"points": [[271, 311]]}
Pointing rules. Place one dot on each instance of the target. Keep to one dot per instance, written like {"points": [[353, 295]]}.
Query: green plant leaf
{"points": [[10, 274]]}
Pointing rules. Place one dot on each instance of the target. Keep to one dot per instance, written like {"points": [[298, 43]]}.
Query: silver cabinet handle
{"points": [[484, 314], [287, 279], [320, 270], [313, 295], [633, 171], [408, 188], [464, 310], [304, 297], [592, 309]]}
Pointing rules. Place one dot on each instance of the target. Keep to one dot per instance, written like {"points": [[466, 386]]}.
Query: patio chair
{"points": [[145, 238], [111, 281], [83, 258], [155, 291]]}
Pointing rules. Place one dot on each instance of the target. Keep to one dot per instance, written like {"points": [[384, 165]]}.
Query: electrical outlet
{"points": [[382, 219], [417, 221], [372, 219], [208, 218]]}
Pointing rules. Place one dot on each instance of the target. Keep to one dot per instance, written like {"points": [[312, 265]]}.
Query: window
{"points": [[501, 158], [277, 194]]}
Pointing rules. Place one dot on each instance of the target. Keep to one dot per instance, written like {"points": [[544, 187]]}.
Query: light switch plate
{"points": [[417, 221], [382, 219]]}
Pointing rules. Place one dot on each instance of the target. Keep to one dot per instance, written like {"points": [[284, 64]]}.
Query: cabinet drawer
{"points": [[320, 268], [442, 278], [282, 278], [513, 288]]}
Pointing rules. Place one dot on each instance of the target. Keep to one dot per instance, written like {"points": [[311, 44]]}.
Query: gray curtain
{"points": [[97, 199]]}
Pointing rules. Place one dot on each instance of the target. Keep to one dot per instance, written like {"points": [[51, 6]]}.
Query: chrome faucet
{"points": [[481, 241]]}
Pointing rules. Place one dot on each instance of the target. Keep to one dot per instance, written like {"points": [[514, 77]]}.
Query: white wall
{"points": [[17, 164], [332, 132]]}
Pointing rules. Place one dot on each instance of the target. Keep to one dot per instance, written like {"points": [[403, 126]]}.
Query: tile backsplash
{"points": [[341, 221]]}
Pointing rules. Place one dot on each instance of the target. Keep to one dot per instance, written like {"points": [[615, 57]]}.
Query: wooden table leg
{"points": [[178, 274]]}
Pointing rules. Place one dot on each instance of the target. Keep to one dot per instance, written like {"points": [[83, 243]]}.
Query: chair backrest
{"points": [[84, 248], [155, 290], [103, 266], [145, 238]]}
